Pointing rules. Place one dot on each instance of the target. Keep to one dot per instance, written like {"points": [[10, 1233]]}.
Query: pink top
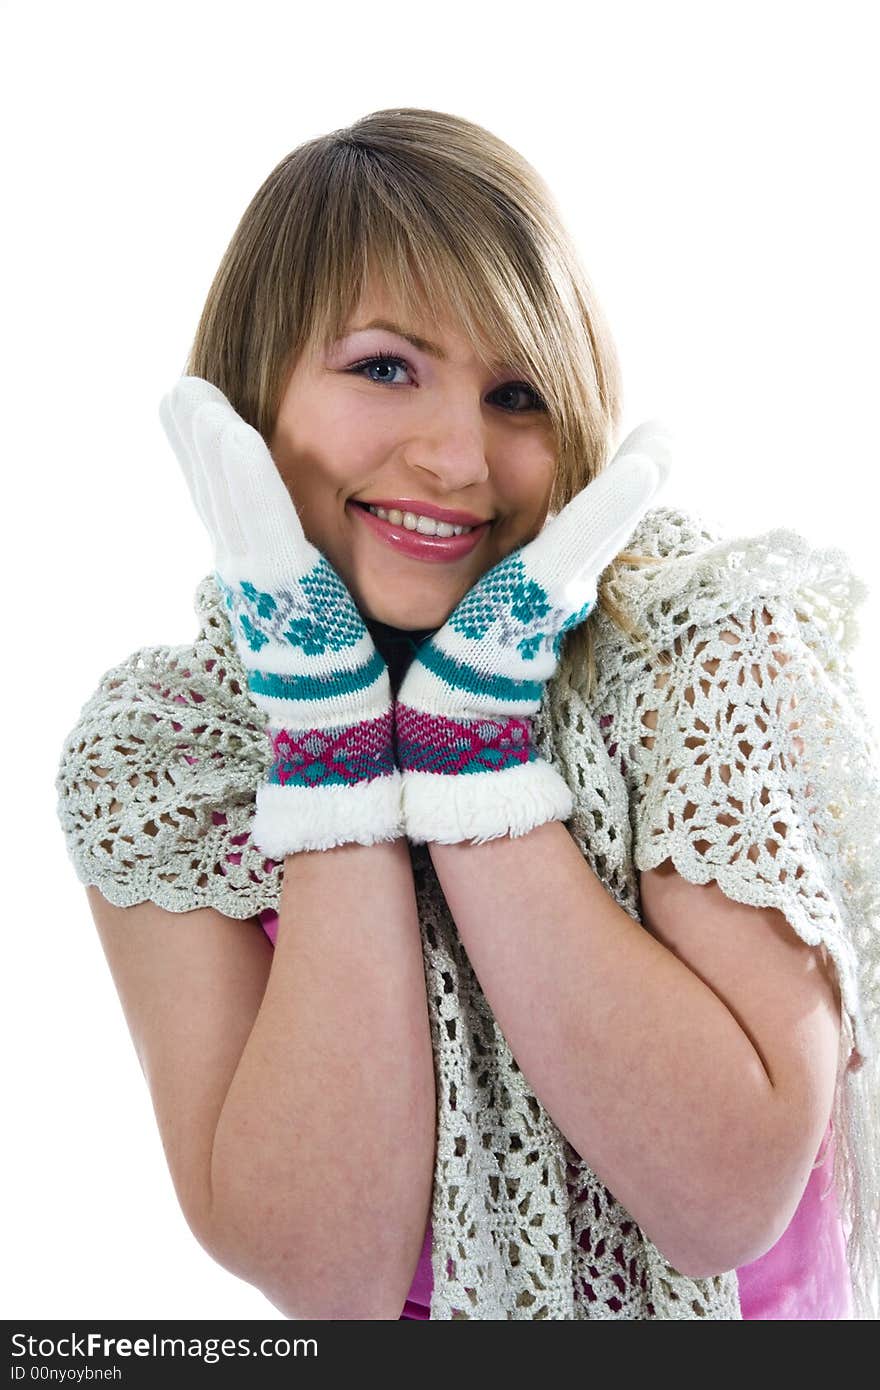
{"points": [[803, 1277]]}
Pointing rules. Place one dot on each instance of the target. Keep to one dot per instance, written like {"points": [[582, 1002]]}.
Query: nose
{"points": [[450, 450]]}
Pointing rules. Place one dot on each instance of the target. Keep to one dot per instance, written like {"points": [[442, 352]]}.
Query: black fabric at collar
{"points": [[385, 633], [397, 646]]}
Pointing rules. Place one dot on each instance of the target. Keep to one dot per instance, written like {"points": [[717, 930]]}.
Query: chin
{"points": [[409, 606], [393, 605], [406, 618]]}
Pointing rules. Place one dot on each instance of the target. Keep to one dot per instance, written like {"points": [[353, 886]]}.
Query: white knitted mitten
{"points": [[312, 668], [464, 745]]}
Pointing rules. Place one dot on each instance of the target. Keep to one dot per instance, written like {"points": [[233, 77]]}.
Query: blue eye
{"points": [[387, 359], [383, 359]]}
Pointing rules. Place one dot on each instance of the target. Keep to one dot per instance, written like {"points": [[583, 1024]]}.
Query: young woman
{"points": [[493, 907]]}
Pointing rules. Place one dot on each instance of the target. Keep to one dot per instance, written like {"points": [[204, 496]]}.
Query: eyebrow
{"points": [[421, 343]]}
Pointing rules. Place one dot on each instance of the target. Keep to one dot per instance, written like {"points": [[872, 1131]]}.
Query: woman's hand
{"points": [[312, 667], [464, 746]]}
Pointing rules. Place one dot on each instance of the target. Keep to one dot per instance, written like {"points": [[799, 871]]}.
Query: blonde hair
{"points": [[439, 209]]}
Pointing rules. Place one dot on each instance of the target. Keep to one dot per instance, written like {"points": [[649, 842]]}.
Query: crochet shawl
{"points": [[761, 773]]}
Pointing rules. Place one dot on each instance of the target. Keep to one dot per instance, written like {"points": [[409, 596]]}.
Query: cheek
{"points": [[313, 480], [526, 480], [529, 500]]}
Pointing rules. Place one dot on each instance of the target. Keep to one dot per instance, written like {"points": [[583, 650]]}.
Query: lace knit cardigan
{"points": [[761, 773]]}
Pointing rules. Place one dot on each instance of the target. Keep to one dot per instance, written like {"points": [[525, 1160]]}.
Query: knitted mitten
{"points": [[312, 668], [463, 728]]}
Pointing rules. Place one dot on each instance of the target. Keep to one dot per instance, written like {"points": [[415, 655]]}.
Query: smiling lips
{"points": [[417, 508], [412, 543]]}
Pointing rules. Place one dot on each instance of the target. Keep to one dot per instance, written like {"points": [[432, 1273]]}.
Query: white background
{"points": [[716, 164]]}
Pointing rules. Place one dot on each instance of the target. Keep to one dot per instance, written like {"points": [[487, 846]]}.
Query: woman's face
{"points": [[418, 435]]}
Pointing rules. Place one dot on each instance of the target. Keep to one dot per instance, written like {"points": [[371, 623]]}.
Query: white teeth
{"points": [[425, 525]]}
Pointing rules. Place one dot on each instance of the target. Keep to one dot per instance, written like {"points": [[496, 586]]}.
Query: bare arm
{"points": [[694, 1071], [323, 1157], [294, 1092]]}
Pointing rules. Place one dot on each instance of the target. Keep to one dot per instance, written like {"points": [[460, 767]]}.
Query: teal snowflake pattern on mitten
{"points": [[503, 592], [519, 606], [530, 646], [255, 638], [315, 613], [572, 621], [264, 604]]}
